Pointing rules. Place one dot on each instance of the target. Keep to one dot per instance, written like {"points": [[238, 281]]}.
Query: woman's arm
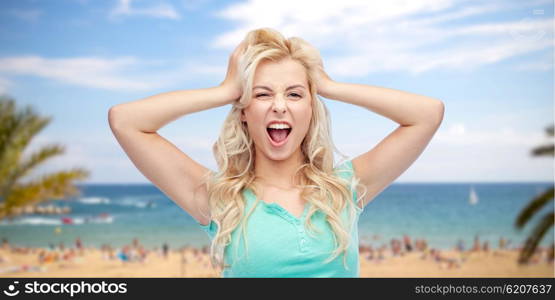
{"points": [[152, 113], [418, 117], [135, 126], [404, 108]]}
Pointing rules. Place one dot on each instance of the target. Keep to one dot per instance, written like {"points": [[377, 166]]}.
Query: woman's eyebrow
{"points": [[269, 89]]}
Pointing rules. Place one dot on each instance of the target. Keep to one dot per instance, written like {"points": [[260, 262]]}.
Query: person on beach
{"points": [[124, 254], [370, 251], [502, 243], [5, 244], [460, 246], [165, 250], [550, 254], [61, 247], [277, 206], [381, 253], [485, 247], [79, 246], [407, 242], [396, 247], [183, 261], [476, 247]]}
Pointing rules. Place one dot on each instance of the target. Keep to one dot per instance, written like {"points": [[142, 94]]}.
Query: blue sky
{"points": [[490, 62]]}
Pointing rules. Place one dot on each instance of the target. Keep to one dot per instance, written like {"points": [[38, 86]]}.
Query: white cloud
{"points": [[535, 66], [414, 36], [458, 134], [161, 10], [461, 58], [504, 154], [459, 153], [103, 73], [84, 71]]}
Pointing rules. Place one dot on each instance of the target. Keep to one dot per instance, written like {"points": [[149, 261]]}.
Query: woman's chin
{"points": [[283, 152], [278, 155]]}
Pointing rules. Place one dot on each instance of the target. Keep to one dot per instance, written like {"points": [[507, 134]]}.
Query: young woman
{"points": [[277, 206]]}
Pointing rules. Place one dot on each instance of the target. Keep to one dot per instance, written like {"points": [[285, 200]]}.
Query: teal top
{"points": [[279, 245]]}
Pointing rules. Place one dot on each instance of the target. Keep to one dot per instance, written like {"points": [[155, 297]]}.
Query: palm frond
{"points": [[545, 150], [533, 207], [17, 128], [549, 130], [16, 131], [534, 239], [48, 187], [25, 167]]}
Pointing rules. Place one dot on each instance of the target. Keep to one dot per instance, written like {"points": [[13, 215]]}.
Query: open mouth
{"points": [[278, 136]]}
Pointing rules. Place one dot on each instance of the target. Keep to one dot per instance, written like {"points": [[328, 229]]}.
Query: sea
{"points": [[441, 213]]}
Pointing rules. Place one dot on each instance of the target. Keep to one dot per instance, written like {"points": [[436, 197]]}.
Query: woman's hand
{"points": [[232, 82], [323, 82]]}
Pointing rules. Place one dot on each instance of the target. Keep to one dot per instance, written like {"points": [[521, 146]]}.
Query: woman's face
{"points": [[280, 110]]}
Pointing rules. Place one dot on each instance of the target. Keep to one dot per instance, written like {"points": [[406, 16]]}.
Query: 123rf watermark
{"points": [[67, 288]]}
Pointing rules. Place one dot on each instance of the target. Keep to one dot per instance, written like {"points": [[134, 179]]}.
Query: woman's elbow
{"points": [[115, 117], [439, 112]]}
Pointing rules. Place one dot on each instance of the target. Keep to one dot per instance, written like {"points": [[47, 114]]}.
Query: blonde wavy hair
{"points": [[234, 153]]}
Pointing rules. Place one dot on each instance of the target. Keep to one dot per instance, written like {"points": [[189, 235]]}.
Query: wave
{"points": [[134, 203], [97, 220], [32, 221], [127, 201], [94, 200], [37, 221]]}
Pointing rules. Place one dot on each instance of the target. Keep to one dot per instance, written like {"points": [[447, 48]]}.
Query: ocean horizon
{"points": [[440, 212]]}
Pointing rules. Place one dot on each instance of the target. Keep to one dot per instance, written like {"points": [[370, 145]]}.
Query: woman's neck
{"points": [[278, 173]]}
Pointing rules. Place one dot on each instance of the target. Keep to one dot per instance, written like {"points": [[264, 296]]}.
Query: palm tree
{"points": [[17, 128], [534, 206]]}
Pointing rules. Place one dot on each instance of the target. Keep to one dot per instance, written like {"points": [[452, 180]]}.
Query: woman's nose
{"points": [[279, 105]]}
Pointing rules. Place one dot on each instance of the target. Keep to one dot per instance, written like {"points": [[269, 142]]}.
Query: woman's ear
{"points": [[243, 118]]}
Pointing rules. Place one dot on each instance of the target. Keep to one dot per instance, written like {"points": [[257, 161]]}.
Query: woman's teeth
{"points": [[279, 126]]}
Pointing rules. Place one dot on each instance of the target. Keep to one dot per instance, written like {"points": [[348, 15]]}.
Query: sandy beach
{"points": [[193, 262]]}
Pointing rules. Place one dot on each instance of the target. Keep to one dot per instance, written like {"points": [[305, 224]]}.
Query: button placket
{"points": [[280, 211], [297, 223], [302, 237]]}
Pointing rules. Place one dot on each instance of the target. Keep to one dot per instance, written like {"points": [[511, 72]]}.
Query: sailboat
{"points": [[473, 198]]}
